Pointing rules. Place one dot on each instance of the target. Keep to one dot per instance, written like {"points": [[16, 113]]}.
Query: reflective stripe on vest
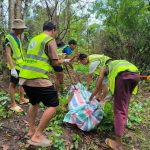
{"points": [[37, 62], [101, 58], [17, 53], [34, 69], [117, 66]]}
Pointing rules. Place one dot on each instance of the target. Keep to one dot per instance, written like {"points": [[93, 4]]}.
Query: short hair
{"points": [[72, 42], [48, 26], [82, 56]]}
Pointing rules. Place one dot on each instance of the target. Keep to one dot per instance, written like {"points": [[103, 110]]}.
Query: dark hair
{"points": [[72, 42], [82, 56], [48, 26], [60, 44]]}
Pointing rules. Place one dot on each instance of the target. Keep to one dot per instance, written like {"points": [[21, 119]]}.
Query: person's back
{"points": [[37, 61]]}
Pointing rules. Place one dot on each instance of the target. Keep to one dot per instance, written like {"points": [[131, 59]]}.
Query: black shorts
{"points": [[47, 95], [13, 79], [58, 68]]}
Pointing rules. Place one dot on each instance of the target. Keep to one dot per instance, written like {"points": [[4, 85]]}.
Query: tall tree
{"points": [[11, 13]]}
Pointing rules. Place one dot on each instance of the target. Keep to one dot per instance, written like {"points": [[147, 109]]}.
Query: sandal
{"points": [[24, 101], [16, 109], [112, 144]]}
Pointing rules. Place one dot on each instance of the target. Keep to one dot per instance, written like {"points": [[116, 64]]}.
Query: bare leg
{"points": [[22, 98], [47, 115], [12, 87], [32, 116], [59, 81]]}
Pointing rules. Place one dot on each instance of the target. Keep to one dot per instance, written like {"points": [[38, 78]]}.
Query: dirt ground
{"points": [[13, 131]]}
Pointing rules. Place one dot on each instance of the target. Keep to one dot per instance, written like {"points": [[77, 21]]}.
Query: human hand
{"points": [[67, 60], [14, 73], [148, 78], [102, 102]]}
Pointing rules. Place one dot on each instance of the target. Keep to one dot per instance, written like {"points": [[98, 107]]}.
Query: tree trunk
{"points": [[67, 18], [18, 9], [1, 25], [11, 13]]}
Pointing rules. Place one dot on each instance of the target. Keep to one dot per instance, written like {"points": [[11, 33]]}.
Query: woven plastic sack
{"points": [[82, 112]]}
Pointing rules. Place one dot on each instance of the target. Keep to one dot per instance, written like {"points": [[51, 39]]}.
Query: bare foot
{"points": [[37, 138], [40, 141]]}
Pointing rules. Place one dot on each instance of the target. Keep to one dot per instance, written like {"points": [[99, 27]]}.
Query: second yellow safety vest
{"points": [[117, 66], [17, 53], [101, 58], [37, 63]]}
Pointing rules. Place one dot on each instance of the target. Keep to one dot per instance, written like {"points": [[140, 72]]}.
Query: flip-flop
{"points": [[44, 143], [109, 143], [25, 101], [16, 109]]}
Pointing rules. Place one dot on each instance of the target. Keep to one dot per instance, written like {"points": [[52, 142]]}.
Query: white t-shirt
{"points": [[93, 66]]}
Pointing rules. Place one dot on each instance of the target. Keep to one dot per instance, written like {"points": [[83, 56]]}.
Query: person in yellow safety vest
{"points": [[123, 80], [59, 69], [95, 62], [41, 56], [15, 59]]}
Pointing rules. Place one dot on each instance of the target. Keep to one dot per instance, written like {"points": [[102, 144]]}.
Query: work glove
{"points": [[14, 73], [67, 60]]}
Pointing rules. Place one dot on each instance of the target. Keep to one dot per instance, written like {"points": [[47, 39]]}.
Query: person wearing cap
{"points": [[41, 56], [95, 62], [123, 79], [15, 59]]}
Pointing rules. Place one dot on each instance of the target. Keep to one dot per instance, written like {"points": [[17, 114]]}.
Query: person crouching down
{"points": [[96, 62]]}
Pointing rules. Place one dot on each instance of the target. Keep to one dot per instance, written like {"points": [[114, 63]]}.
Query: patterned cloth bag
{"points": [[82, 112]]}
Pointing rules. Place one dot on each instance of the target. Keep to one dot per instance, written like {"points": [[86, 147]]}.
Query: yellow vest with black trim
{"points": [[117, 66], [101, 58], [37, 64], [17, 53]]}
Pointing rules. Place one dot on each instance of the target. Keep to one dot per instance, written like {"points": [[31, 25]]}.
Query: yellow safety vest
{"points": [[101, 58], [37, 63], [117, 66], [17, 53]]}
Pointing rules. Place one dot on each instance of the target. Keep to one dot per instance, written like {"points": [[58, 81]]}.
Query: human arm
{"points": [[10, 62], [89, 80], [99, 83], [9, 57], [52, 54]]}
